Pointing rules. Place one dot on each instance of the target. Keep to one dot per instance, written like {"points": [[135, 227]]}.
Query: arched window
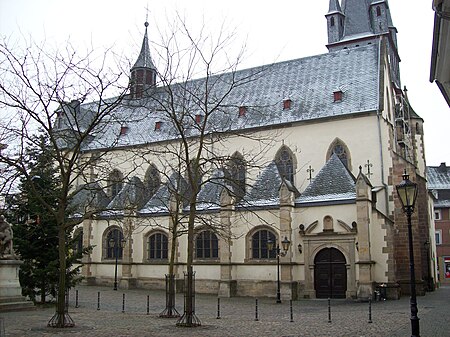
{"points": [[259, 244], [340, 149], [115, 183], [206, 245], [235, 174], [152, 180], [157, 246], [285, 163], [378, 11], [78, 243], [113, 243]]}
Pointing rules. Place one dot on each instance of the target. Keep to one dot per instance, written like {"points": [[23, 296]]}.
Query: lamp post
{"points": [[407, 192], [115, 243], [285, 244]]}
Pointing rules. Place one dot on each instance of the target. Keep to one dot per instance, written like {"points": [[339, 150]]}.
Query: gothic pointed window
{"points": [[378, 11], [235, 175], [115, 183], [285, 163], [152, 180], [340, 149]]}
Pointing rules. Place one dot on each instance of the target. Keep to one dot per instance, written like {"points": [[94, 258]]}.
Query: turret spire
{"points": [[143, 73]]}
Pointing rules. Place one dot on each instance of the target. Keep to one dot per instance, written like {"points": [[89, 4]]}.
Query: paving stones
{"points": [[237, 317]]}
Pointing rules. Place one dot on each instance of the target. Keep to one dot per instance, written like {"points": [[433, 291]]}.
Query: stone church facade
{"points": [[343, 132]]}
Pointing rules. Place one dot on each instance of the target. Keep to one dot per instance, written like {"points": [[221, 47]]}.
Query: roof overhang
{"points": [[440, 55]]}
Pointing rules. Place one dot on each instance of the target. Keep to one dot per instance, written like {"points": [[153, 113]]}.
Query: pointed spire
{"points": [[144, 59], [334, 6]]}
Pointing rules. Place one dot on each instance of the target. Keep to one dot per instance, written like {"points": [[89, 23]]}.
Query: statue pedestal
{"points": [[10, 291]]}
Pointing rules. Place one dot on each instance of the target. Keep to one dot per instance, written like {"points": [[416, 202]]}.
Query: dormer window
{"points": [[158, 125], [198, 118], [337, 95], [242, 111], [123, 130], [287, 104]]}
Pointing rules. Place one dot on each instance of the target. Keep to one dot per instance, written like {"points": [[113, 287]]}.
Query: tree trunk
{"points": [[61, 318]]}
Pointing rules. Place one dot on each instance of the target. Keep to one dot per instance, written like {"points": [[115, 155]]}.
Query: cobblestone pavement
{"points": [[237, 317]]}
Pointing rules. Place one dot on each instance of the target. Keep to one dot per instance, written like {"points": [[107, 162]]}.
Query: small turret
{"points": [[143, 73], [379, 16], [335, 22]]}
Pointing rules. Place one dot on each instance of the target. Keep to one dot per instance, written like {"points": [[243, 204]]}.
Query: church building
{"points": [[335, 133]]}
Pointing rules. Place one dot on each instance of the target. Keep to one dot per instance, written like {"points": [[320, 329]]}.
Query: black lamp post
{"points": [[115, 243], [285, 244], [407, 192]]}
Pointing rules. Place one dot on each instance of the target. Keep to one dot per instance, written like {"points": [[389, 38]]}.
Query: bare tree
{"points": [[43, 90], [199, 113]]}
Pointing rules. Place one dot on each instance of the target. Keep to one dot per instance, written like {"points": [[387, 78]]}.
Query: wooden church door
{"points": [[330, 274]]}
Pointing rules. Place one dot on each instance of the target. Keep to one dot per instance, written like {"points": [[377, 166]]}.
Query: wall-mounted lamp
{"points": [[357, 246], [300, 248]]}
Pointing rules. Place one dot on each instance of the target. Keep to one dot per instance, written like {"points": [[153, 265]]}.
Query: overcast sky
{"points": [[274, 31]]}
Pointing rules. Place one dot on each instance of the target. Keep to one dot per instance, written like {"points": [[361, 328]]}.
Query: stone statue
{"points": [[6, 236]]}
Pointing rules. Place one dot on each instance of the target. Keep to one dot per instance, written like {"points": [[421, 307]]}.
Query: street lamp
{"points": [[285, 244], [407, 192], [115, 243]]}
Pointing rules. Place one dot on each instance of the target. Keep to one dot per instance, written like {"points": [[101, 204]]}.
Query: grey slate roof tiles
{"points": [[309, 82], [334, 182], [265, 191], [438, 177]]}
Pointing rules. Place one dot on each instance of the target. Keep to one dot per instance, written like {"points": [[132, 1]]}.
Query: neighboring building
{"points": [[440, 57], [439, 185], [342, 114]]}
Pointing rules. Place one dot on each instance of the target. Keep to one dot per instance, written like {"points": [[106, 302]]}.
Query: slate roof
{"points": [[438, 177], [144, 59], [334, 7], [334, 182], [88, 195], [159, 202], [309, 82], [209, 196], [357, 20], [266, 189], [131, 194]]}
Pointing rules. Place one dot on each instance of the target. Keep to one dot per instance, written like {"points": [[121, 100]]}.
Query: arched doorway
{"points": [[330, 274]]}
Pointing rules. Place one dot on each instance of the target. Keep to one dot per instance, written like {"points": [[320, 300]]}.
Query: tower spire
{"points": [[143, 72]]}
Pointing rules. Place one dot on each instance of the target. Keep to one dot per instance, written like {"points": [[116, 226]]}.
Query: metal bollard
{"points": [[148, 304], [370, 310], [218, 308], [292, 313], [256, 310], [76, 299], [329, 310], [123, 303], [98, 301]]}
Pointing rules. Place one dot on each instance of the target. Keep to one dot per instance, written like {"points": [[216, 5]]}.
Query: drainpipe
{"points": [[380, 142]]}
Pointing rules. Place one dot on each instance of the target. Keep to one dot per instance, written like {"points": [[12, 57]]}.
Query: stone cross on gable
{"points": [[310, 170], [368, 165]]}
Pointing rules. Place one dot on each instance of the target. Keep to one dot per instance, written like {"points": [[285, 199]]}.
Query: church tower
{"points": [[143, 73], [363, 22]]}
